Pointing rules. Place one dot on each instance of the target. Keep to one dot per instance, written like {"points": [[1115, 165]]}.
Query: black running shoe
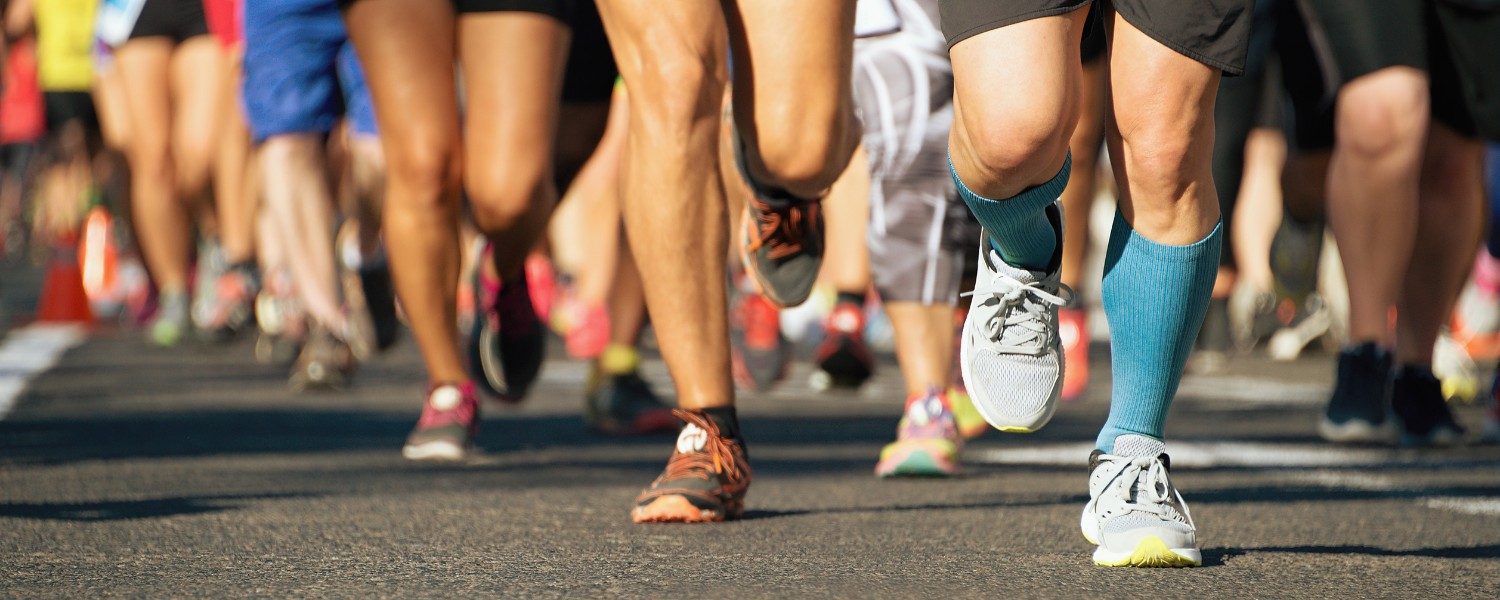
{"points": [[844, 359], [625, 405], [1417, 400], [508, 343], [1358, 410]]}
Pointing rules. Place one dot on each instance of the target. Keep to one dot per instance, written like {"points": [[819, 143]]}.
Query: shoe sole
{"points": [[978, 398], [1150, 552], [677, 509], [1356, 431], [921, 459], [434, 451]]}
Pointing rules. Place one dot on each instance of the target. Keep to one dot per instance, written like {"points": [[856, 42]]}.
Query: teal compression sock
{"points": [[1155, 296], [1018, 226]]}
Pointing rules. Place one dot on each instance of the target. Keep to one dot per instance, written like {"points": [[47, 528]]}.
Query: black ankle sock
{"points": [[726, 419], [856, 298]]}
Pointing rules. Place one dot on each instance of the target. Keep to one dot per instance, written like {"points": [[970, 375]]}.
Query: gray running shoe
{"points": [[1010, 351], [325, 363], [1134, 515]]}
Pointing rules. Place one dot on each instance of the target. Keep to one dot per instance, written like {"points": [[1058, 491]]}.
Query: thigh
{"points": [[407, 51], [512, 68], [197, 67], [791, 52], [1018, 82], [143, 67], [659, 52]]}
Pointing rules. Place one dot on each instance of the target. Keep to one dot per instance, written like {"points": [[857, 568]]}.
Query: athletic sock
{"points": [[1018, 226], [727, 420], [1155, 296]]}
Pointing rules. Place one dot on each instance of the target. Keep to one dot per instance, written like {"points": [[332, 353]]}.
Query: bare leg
{"points": [[1078, 197], [300, 203], [1259, 207], [924, 344], [846, 266], [231, 192], [160, 216]]}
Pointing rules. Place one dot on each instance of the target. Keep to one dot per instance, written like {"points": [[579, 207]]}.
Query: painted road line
{"points": [[1489, 507], [27, 352], [1252, 392], [1200, 455]]}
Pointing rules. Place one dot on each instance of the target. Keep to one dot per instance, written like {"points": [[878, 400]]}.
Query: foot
{"points": [[584, 327], [324, 363], [1358, 410], [171, 321], [782, 248], [620, 402], [844, 358], [541, 280], [705, 480], [1134, 515], [508, 343], [761, 354], [231, 309], [1073, 329], [927, 440], [449, 422], [1420, 409], [1306, 323], [1010, 351], [971, 424]]}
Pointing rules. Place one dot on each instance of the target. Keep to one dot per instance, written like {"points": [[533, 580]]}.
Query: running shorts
{"points": [[1456, 42], [301, 72], [919, 232], [178, 20], [225, 20], [591, 71], [1213, 32], [562, 10], [62, 107]]}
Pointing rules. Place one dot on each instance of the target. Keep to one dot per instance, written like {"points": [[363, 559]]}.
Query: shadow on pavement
{"points": [[115, 510], [1217, 556]]}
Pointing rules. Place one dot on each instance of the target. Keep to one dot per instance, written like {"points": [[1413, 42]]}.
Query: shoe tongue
{"points": [[1020, 274], [1136, 446]]}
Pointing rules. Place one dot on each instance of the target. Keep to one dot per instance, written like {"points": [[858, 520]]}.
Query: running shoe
{"points": [[1010, 352], [379, 299], [325, 363], [1358, 409], [971, 424], [508, 343], [620, 402], [281, 319], [231, 308], [782, 248], [1476, 321], [844, 358], [1135, 515], [1308, 322], [1296, 251], [1253, 316], [541, 279], [449, 423], [705, 480], [1073, 329], [760, 353], [209, 264], [927, 440], [171, 320], [1417, 400]]}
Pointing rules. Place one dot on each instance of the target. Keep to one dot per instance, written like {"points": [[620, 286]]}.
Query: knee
{"points": [[1016, 147], [150, 160], [686, 92], [501, 198], [1383, 116], [423, 176], [802, 150]]}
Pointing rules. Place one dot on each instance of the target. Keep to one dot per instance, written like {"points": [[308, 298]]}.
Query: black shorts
{"points": [[1458, 45], [1213, 32], [591, 71], [562, 10], [175, 19], [62, 107]]}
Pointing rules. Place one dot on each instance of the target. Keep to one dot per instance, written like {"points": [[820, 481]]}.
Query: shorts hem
{"points": [[1012, 20], [1182, 49]]}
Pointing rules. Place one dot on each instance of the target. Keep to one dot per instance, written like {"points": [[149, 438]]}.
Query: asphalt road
{"points": [[133, 472]]}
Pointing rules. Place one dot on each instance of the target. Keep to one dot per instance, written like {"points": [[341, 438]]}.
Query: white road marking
{"points": [[1252, 392], [1474, 506], [1213, 454], [27, 352]]}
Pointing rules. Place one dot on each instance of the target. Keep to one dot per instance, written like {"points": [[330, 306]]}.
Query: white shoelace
{"points": [[1019, 323], [1153, 495]]}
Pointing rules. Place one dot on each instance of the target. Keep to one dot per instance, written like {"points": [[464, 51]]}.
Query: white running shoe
{"points": [[1010, 351], [1134, 514]]}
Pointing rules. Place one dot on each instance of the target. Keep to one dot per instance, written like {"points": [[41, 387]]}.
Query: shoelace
{"points": [[780, 230], [1018, 323], [717, 456], [1145, 478], [463, 414]]}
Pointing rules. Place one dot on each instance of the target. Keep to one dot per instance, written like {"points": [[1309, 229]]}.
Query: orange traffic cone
{"points": [[63, 297]]}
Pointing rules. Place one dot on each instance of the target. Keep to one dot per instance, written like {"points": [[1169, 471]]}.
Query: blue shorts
{"points": [[301, 73]]}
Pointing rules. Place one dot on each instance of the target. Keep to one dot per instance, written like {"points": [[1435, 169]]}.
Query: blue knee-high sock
{"points": [[1018, 226], [1154, 297]]}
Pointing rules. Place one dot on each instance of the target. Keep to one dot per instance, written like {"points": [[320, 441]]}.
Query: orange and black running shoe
{"points": [[782, 248], [705, 480]]}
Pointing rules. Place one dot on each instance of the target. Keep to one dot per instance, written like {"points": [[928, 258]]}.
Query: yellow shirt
{"points": [[65, 39]]}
